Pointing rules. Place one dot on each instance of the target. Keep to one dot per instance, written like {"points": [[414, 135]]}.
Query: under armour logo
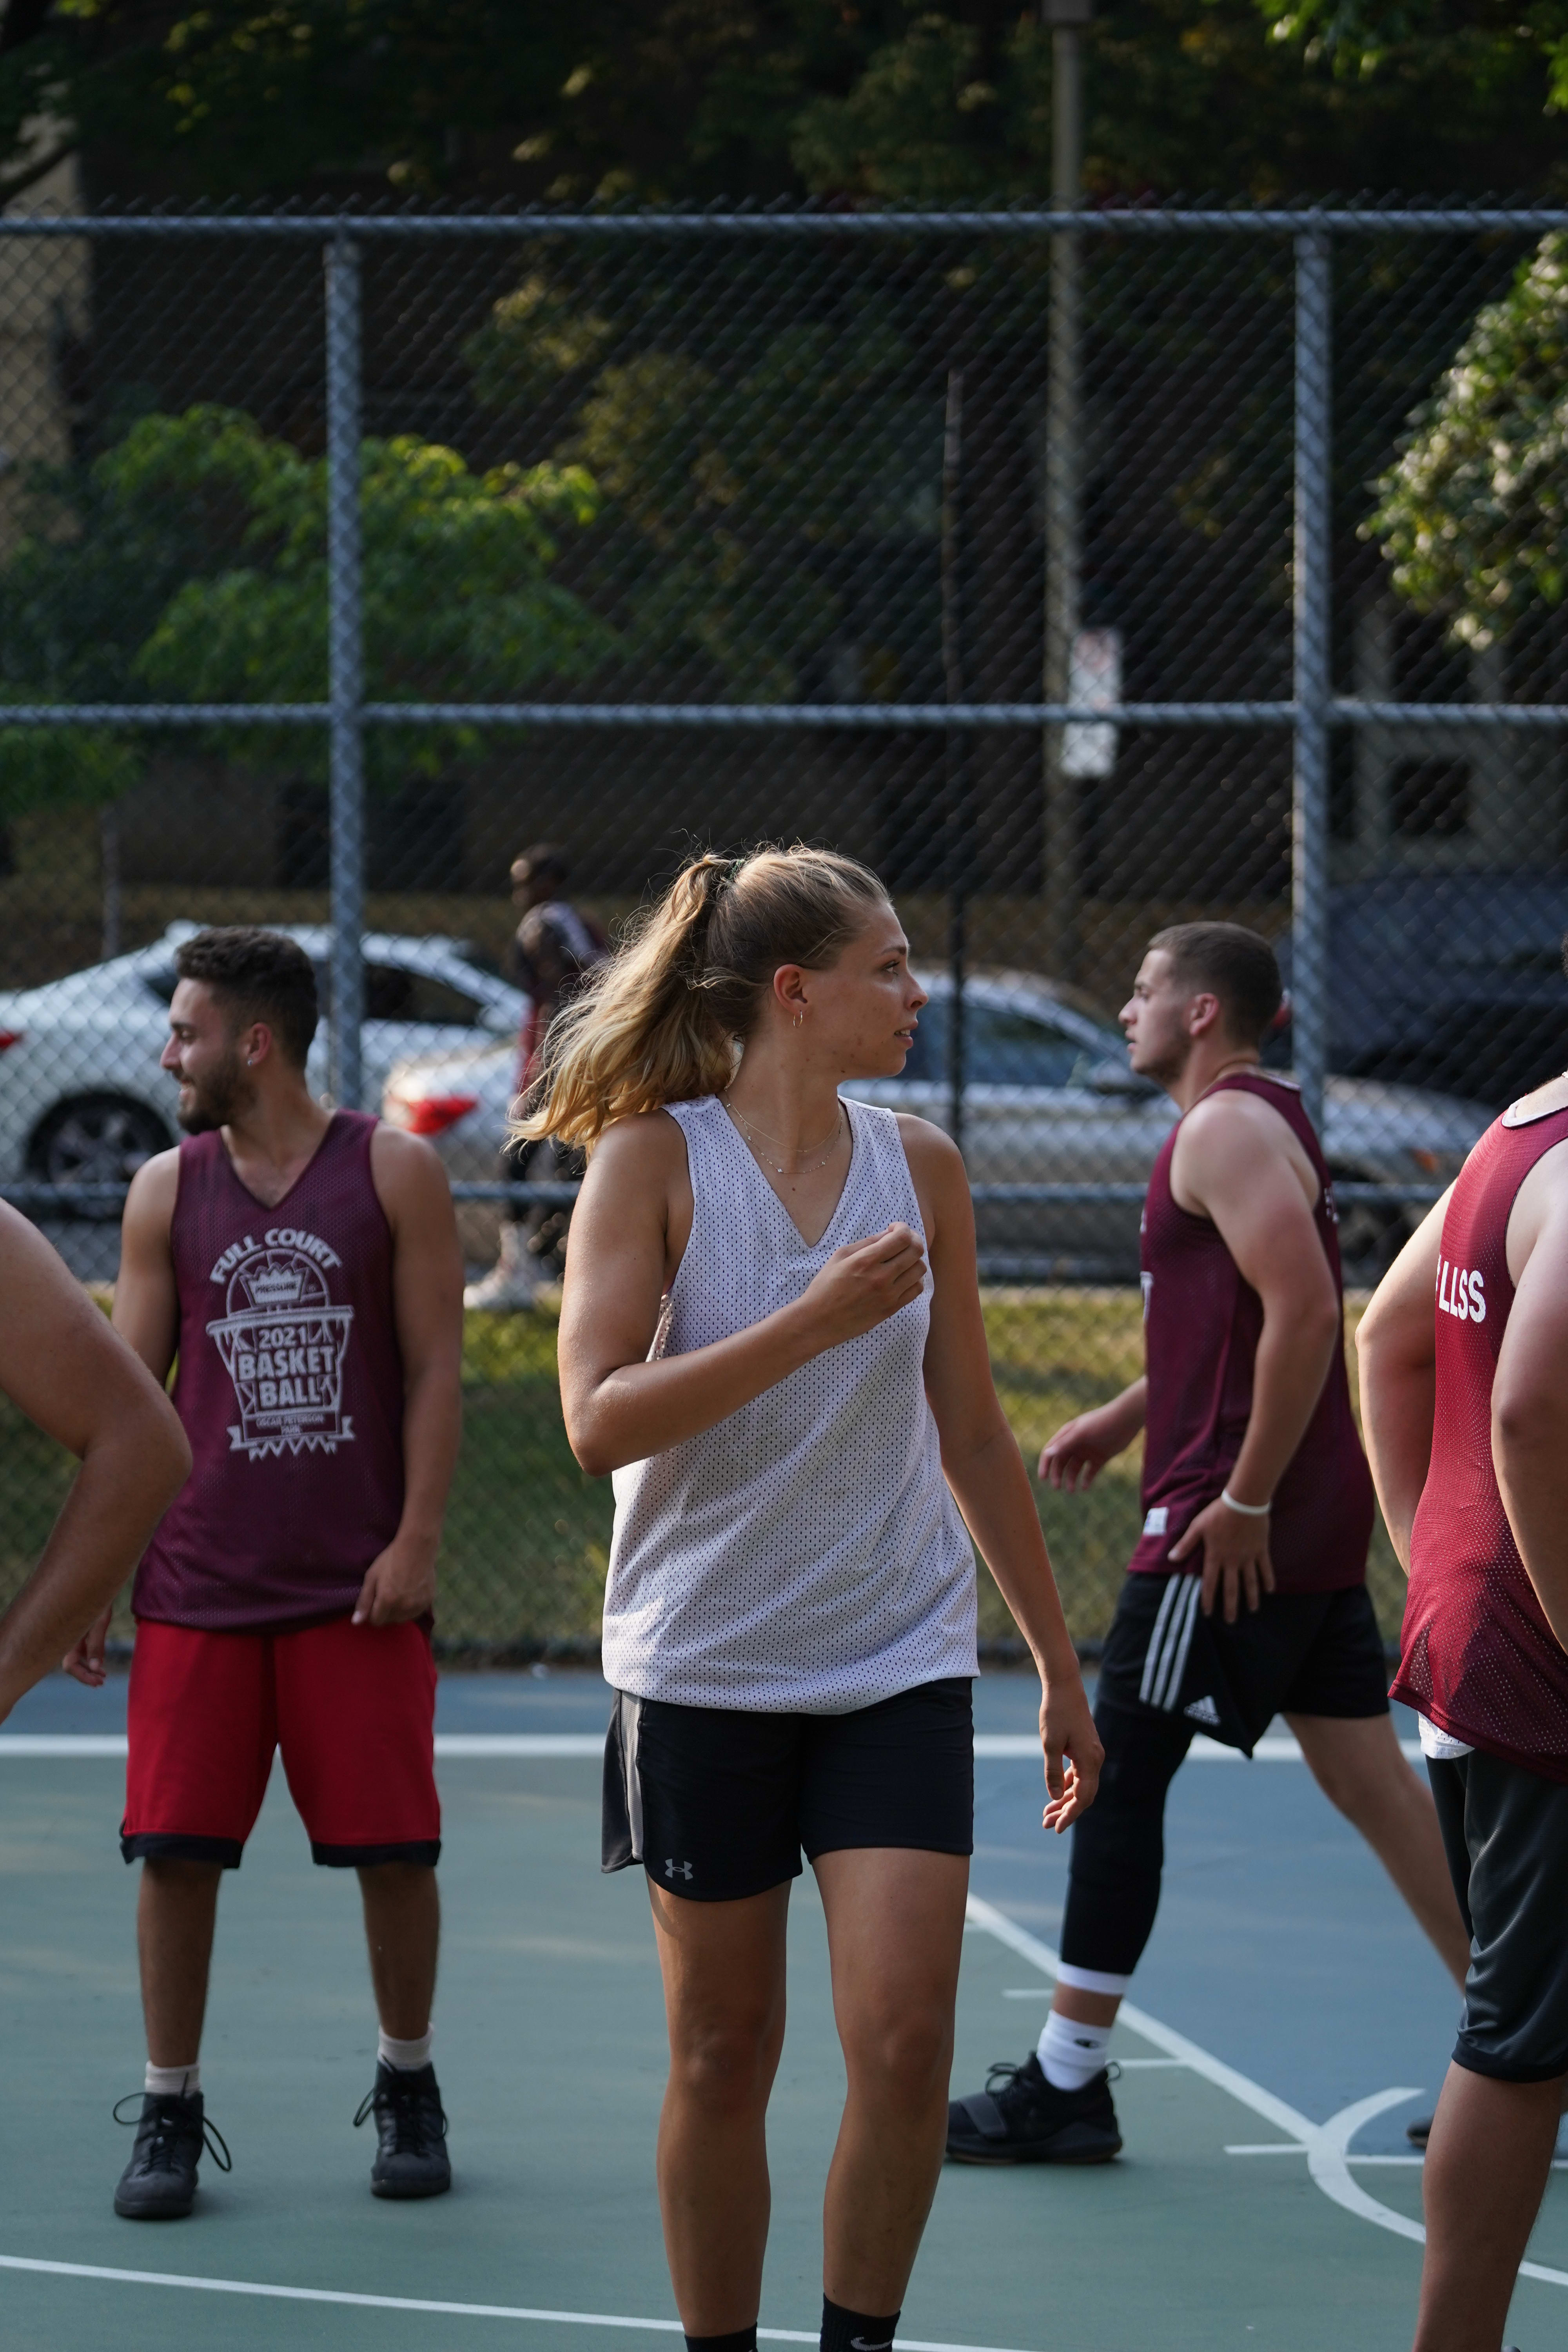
{"points": [[683, 1870]]}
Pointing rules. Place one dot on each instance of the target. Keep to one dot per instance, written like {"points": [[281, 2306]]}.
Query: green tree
{"points": [[659, 101], [745, 467], [189, 562], [1473, 518]]}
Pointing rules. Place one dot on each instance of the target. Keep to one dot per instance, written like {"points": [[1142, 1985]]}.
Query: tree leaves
{"points": [[1473, 518]]}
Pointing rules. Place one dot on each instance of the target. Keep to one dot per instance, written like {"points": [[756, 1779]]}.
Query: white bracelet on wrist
{"points": [[1247, 1510]]}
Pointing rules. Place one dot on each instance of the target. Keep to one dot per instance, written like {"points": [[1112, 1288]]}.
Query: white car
{"points": [[83, 1101], [1050, 1102]]}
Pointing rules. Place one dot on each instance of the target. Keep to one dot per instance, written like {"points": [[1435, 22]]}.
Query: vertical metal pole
{"points": [[1313, 663], [1063, 487], [957, 760], [112, 878], [346, 664]]}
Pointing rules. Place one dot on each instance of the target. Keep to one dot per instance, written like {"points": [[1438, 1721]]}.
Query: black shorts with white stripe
{"points": [[1296, 1653], [716, 1803]]}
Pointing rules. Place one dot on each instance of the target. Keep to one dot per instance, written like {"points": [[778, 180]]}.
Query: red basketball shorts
{"points": [[352, 1706]]}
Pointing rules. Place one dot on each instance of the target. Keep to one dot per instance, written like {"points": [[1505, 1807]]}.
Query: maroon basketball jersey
{"points": [[1201, 1328], [290, 1389], [1476, 1655]]}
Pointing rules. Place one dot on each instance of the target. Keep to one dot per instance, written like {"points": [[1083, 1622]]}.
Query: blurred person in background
{"points": [[555, 948]]}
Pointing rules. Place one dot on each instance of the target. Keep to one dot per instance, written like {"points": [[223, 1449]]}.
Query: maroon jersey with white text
{"points": [[290, 1385], [1200, 1327], [1476, 1655]]}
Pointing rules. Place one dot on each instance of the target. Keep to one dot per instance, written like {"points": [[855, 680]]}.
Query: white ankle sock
{"points": [[173, 2081], [407, 2056], [1071, 2054]]}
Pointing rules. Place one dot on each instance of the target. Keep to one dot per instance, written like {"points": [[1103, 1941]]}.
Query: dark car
{"points": [[1451, 981]]}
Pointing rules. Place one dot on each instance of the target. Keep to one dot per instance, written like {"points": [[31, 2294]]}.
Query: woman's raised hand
{"points": [[863, 1284]]}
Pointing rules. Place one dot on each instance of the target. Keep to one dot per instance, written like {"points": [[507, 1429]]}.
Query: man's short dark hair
{"points": [[542, 858], [258, 976], [1233, 963]]}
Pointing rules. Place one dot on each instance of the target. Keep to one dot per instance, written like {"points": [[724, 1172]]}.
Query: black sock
{"points": [[741, 2339], [854, 2331]]}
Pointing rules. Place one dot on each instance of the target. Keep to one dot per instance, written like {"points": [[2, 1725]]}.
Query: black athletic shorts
{"points": [[1296, 1653], [1506, 1833], [717, 1801]]}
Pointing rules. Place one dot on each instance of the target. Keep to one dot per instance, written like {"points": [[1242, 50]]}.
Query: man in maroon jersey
{"points": [[1464, 1366], [304, 1266], [1247, 1596]]}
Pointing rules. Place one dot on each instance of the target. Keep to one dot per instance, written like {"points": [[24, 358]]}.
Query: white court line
{"points": [[418, 2302], [447, 1743], [1003, 1745], [1326, 2146]]}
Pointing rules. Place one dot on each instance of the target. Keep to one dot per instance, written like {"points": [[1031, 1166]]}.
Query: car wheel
{"points": [[96, 1139]]}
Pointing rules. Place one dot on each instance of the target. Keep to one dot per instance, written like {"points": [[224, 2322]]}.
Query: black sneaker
{"points": [[411, 2157], [1020, 2118], [159, 2184]]}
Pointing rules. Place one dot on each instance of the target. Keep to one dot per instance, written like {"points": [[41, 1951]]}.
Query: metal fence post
{"points": [[1313, 668], [1063, 487], [958, 818], [345, 665]]}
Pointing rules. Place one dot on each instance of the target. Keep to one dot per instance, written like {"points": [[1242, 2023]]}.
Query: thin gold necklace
{"points": [[781, 1166]]}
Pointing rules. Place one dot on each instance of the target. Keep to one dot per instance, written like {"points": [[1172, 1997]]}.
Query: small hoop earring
{"points": [[798, 1019]]}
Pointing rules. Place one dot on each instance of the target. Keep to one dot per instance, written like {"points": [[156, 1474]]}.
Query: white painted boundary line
{"points": [[1325, 2146], [416, 2302], [1005, 1745], [447, 1743]]}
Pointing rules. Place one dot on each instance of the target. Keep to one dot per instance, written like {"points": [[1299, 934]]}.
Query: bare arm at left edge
{"points": [[985, 1471], [63, 1367], [428, 1306]]}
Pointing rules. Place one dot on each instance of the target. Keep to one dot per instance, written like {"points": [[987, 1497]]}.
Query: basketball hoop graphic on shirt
{"points": [[283, 1345]]}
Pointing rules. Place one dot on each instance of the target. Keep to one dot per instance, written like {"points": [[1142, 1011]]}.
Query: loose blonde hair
{"points": [[660, 1022]]}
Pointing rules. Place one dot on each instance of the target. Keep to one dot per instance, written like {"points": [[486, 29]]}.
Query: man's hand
{"points": [[399, 1584], [1235, 1556], [85, 1661], [1079, 1451], [1073, 1752]]}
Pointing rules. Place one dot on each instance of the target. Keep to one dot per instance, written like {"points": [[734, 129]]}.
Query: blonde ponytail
{"points": [[660, 1023]]}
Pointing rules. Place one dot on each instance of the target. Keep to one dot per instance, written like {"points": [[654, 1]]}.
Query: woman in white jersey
{"points": [[772, 1336]]}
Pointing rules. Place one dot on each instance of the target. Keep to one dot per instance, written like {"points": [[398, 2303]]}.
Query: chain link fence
{"points": [[1082, 572]]}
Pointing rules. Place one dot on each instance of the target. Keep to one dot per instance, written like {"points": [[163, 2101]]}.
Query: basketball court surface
{"points": [[1290, 2018]]}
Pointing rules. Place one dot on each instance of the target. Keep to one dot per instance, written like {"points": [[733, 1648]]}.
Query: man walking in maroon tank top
{"points": [[1464, 1358], [1246, 1595], [302, 1265]]}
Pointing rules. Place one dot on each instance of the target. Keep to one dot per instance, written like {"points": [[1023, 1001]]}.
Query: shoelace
{"points": [[1004, 2074], [166, 2134], [418, 2115]]}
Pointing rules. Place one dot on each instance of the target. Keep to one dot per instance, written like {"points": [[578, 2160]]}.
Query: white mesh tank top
{"points": [[804, 1555]]}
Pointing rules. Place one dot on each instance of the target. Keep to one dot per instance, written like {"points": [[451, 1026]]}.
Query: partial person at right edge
{"points": [[1247, 1596], [1464, 1370]]}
